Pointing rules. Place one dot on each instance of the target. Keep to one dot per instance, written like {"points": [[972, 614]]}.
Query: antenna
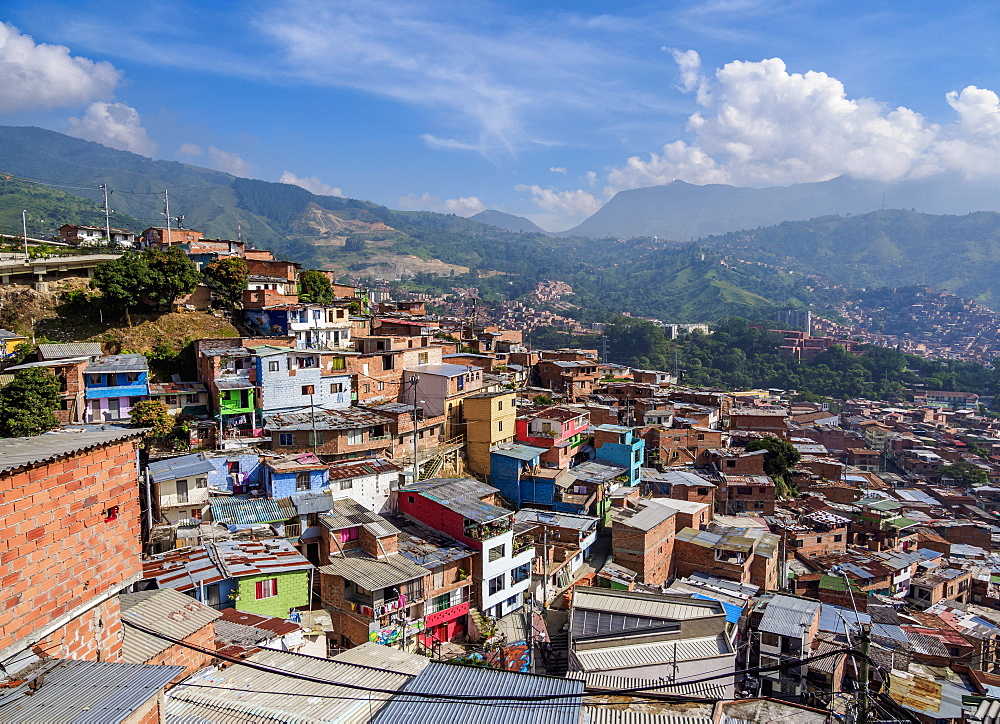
{"points": [[180, 221]]}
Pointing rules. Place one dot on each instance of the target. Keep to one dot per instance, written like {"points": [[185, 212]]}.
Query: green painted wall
{"points": [[229, 402], [293, 592]]}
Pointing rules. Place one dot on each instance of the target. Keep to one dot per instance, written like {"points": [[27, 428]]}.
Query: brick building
{"points": [[173, 615], [642, 540], [765, 420], [70, 524]]}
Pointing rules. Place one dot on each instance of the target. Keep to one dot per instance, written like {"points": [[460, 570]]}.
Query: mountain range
{"points": [[684, 212], [505, 256]]}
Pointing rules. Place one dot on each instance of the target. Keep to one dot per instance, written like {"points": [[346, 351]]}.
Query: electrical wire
{"points": [[464, 697]]}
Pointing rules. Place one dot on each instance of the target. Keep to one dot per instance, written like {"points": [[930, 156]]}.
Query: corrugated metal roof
{"points": [[934, 698], [234, 383], [607, 715], [596, 680], [593, 472], [663, 606], [788, 616], [461, 495], [378, 656], [73, 349], [19, 452], [349, 419], [246, 511], [119, 363], [558, 520], [655, 652], [86, 692], [239, 697], [180, 467], [240, 558], [645, 517], [524, 453], [373, 574], [168, 612], [440, 678]]}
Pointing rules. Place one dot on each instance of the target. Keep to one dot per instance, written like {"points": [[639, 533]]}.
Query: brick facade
{"points": [[192, 661], [94, 636], [71, 535]]}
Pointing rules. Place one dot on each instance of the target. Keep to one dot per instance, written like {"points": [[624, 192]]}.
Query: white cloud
{"points": [[230, 162], [592, 178], [570, 204], [113, 124], [190, 149], [558, 169], [763, 125], [38, 75], [462, 206], [312, 183]]}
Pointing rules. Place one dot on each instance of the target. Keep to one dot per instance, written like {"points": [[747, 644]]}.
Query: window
{"points": [[702, 491], [111, 514], [838, 538], [181, 486], [422, 358], [499, 425], [499, 405], [730, 463], [338, 363], [346, 484], [131, 376], [114, 408], [308, 389], [317, 314], [496, 585], [743, 491], [273, 366], [171, 399], [196, 513], [387, 362], [769, 639], [381, 386], [336, 387], [496, 553], [302, 480], [266, 589], [355, 437], [201, 483], [367, 388], [233, 466], [349, 534], [285, 439], [461, 382], [410, 499]]}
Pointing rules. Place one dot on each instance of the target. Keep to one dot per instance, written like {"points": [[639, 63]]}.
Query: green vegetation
{"points": [[28, 403], [315, 287], [965, 473], [228, 279], [885, 248], [154, 415], [48, 209], [738, 356], [779, 459], [151, 277]]}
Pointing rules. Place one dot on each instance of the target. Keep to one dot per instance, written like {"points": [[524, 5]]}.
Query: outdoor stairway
{"points": [[558, 662]]}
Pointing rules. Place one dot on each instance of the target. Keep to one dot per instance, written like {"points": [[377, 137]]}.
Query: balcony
{"points": [[486, 531], [452, 601], [293, 530], [522, 543]]}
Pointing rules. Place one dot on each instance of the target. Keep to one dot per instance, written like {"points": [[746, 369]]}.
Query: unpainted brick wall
{"points": [[60, 553]]}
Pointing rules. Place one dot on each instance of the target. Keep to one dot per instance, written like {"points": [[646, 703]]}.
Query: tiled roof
{"points": [[373, 574]]}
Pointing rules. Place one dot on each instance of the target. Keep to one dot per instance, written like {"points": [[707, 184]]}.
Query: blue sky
{"points": [[539, 109]]}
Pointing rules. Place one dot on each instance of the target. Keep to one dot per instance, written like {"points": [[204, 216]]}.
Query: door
{"points": [[212, 594]]}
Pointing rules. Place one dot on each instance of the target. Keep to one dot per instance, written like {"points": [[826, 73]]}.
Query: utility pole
{"points": [[865, 637], [312, 417], [166, 212], [545, 566], [416, 462], [107, 211], [24, 226]]}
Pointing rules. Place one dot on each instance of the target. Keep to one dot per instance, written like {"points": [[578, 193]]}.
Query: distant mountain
{"points": [[683, 211], [960, 254], [502, 220]]}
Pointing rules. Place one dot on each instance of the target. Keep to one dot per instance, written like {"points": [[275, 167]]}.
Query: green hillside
{"points": [[669, 281], [960, 254], [48, 209]]}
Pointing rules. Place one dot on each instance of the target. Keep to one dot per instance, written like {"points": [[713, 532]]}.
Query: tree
{"points": [[122, 281], [779, 459], [154, 415], [28, 403], [172, 274], [228, 278], [316, 288], [965, 473]]}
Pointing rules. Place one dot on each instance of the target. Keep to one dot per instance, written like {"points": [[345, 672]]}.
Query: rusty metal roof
{"points": [[349, 419], [357, 468]]}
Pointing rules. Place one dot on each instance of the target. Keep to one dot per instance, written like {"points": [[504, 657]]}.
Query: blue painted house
{"points": [[284, 477], [112, 384], [620, 446], [515, 470]]}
